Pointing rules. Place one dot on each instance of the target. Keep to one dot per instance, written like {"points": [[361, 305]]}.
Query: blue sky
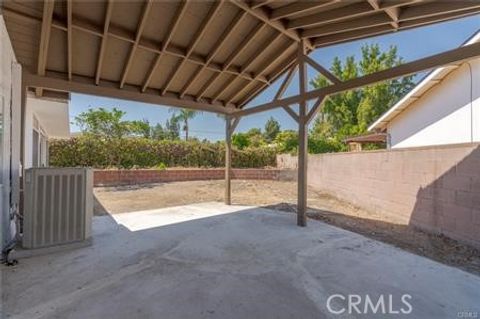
{"points": [[411, 44]]}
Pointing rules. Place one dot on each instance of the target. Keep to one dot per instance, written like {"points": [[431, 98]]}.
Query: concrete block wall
{"points": [[433, 188], [145, 176]]}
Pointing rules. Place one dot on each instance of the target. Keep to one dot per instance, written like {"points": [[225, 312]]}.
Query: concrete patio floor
{"points": [[215, 261]]}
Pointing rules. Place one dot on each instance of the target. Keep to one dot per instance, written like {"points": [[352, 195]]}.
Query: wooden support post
{"points": [[302, 140], [230, 125], [228, 160]]}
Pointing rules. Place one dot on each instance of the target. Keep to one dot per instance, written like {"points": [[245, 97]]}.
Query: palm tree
{"points": [[185, 115]]}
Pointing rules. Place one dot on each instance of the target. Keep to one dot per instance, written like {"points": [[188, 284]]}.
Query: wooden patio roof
{"points": [[213, 56]]}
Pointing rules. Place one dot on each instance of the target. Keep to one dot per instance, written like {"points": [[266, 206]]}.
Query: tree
{"points": [[172, 128], [255, 137], [349, 113], [157, 132], [184, 116], [272, 128], [240, 140], [287, 141], [101, 122]]}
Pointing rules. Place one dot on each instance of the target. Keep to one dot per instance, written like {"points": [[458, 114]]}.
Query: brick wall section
{"points": [[434, 188], [145, 176]]}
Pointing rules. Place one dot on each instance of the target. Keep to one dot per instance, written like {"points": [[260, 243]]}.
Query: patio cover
{"points": [[212, 55]]}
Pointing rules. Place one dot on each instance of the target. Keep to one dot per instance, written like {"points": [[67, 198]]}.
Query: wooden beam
{"points": [[45, 32], [141, 25], [112, 90], [216, 48], [290, 112], [302, 139], [196, 38], [148, 45], [377, 19], [286, 82], [315, 108], [334, 15], [173, 27], [332, 78], [262, 15], [228, 160], [243, 45], [69, 39], [454, 56], [352, 35], [260, 3], [253, 58], [272, 78], [263, 68], [298, 7], [437, 8], [103, 45]]}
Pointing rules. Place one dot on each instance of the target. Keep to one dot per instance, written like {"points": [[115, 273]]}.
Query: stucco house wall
{"points": [[10, 82], [449, 113]]}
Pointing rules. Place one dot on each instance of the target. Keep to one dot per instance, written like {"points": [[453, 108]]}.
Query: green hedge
{"points": [[147, 153]]}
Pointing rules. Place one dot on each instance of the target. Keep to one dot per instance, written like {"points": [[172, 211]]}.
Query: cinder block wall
{"points": [[145, 176], [434, 188]]}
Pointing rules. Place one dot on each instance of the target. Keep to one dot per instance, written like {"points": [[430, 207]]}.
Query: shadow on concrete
{"points": [[217, 261], [412, 239]]}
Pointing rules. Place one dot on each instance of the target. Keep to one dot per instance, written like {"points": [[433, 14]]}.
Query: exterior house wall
{"points": [[449, 113], [10, 81], [44, 119]]}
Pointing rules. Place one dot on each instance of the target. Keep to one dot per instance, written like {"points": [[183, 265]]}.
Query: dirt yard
{"points": [[282, 196]]}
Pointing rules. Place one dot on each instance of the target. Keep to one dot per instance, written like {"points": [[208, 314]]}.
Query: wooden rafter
{"points": [[141, 25], [253, 58], [216, 48], [231, 58], [69, 39], [377, 19], [299, 7], [103, 45], [262, 15], [197, 37], [173, 27], [262, 69], [422, 18], [272, 78], [44, 40], [260, 3], [334, 15]]}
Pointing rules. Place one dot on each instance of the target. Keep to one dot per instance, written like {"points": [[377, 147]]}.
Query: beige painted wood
{"points": [[218, 46], [228, 160], [302, 140], [69, 39], [197, 37], [103, 45], [298, 7], [176, 20], [127, 93], [141, 25], [44, 39]]}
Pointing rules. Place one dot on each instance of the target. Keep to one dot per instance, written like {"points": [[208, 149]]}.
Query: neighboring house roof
{"points": [[52, 114], [429, 81], [368, 138]]}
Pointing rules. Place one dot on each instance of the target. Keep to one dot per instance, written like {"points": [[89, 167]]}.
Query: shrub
{"points": [[148, 153]]}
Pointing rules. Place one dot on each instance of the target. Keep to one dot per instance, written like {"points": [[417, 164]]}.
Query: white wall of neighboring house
{"points": [[449, 113], [44, 119], [10, 83]]}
